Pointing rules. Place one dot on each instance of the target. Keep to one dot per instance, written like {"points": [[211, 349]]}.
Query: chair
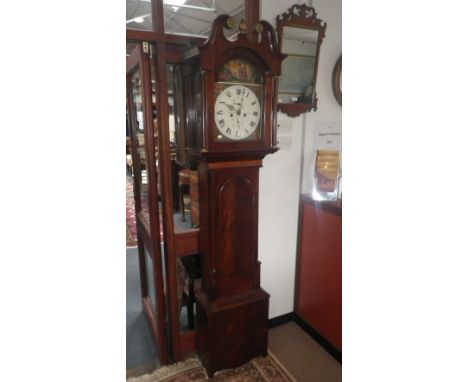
{"points": [[184, 183], [189, 272]]}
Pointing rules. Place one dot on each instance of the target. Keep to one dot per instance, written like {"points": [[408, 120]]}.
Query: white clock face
{"points": [[237, 112]]}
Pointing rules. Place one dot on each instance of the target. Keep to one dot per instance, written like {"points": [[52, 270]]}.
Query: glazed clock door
{"points": [[140, 108]]}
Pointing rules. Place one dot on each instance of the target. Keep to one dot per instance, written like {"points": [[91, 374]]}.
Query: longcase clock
{"points": [[238, 117]]}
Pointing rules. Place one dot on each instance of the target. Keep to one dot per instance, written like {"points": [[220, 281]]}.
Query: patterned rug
{"points": [[131, 217], [132, 237], [260, 369]]}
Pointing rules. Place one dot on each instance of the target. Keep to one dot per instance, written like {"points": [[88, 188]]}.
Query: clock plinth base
{"points": [[231, 331]]}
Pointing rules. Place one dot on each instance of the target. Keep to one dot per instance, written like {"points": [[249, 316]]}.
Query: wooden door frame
{"points": [[133, 64]]}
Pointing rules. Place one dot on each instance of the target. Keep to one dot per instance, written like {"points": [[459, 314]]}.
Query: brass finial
{"points": [[242, 27], [259, 28], [230, 23]]}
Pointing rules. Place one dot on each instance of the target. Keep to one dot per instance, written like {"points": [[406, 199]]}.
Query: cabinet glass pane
{"points": [[151, 282], [140, 143], [197, 19], [185, 125], [138, 15]]}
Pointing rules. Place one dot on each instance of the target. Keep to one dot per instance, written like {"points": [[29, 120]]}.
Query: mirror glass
{"points": [[300, 34], [296, 84]]}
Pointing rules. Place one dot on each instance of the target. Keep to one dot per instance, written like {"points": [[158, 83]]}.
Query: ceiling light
{"points": [[138, 19], [174, 3]]}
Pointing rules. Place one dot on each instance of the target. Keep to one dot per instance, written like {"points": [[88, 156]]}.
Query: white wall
{"points": [[280, 177], [328, 109]]}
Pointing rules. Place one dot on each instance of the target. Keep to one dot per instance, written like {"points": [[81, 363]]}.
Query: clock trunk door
{"points": [[235, 233]]}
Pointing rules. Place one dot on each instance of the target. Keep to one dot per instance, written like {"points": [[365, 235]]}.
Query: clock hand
{"points": [[242, 106], [231, 107]]}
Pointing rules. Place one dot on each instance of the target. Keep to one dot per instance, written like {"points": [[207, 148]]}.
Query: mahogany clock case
{"points": [[232, 309], [232, 331]]}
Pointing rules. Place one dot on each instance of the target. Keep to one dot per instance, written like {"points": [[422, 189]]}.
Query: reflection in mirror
{"points": [[140, 143], [130, 46], [155, 124], [159, 196], [170, 100], [296, 83], [300, 34], [175, 84], [183, 113]]}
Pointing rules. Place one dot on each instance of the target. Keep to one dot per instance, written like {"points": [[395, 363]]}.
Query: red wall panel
{"points": [[318, 299]]}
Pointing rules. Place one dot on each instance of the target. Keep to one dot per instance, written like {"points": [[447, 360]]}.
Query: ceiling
{"points": [[179, 20]]}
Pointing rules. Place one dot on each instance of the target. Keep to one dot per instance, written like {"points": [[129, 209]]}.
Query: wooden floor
{"points": [[304, 358]]}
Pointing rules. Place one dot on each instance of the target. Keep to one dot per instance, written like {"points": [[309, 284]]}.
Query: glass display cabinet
{"points": [[166, 190], [141, 110]]}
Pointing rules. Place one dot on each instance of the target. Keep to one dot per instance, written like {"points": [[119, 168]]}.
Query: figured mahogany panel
{"points": [[229, 206], [234, 227], [233, 330]]}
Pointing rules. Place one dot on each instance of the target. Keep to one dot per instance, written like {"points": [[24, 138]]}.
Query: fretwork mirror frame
{"points": [[301, 17]]}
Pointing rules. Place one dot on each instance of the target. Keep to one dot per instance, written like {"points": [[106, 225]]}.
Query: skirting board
{"points": [[280, 320], [322, 341]]}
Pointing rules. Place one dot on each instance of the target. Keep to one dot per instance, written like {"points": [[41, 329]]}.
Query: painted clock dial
{"points": [[237, 112]]}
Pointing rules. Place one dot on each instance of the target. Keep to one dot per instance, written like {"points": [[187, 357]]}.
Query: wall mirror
{"points": [[336, 81], [300, 34]]}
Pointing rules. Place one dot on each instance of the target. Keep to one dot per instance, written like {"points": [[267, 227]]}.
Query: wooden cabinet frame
{"points": [[148, 234]]}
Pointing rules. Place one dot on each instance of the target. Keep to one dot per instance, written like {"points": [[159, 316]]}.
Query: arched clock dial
{"points": [[237, 112]]}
